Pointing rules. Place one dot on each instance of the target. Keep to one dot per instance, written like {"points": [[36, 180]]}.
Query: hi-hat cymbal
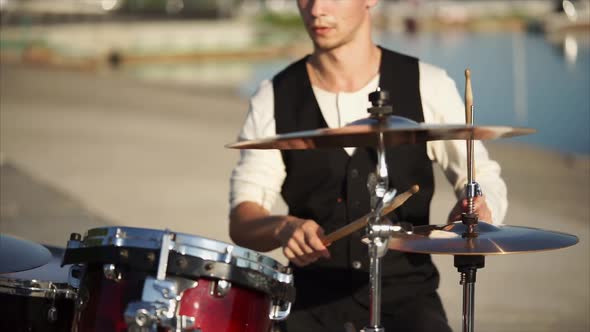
{"points": [[19, 255], [491, 240], [366, 132]]}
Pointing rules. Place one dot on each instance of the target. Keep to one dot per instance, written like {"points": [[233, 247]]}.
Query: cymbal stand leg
{"points": [[382, 172], [379, 239], [468, 299], [467, 266], [378, 184], [375, 247]]}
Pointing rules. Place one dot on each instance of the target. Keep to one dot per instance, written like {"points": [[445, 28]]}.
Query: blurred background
{"points": [[116, 112]]}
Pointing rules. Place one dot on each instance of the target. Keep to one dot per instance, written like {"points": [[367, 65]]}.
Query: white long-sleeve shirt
{"points": [[259, 174]]}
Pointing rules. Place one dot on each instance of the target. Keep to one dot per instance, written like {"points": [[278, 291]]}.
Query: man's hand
{"points": [[301, 240], [480, 207]]}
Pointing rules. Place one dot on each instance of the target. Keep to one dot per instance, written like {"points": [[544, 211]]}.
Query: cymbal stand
{"points": [[467, 265], [378, 232]]}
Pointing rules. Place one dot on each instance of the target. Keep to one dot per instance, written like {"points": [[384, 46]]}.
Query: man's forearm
{"points": [[253, 227]]}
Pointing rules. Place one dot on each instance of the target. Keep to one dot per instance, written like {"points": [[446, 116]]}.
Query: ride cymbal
{"points": [[366, 132], [491, 240]]}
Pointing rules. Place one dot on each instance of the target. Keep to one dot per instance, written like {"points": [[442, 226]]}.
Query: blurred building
{"points": [[452, 9], [192, 8], [101, 8]]}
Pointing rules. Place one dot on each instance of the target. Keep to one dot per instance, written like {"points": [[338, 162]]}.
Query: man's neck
{"points": [[347, 68]]}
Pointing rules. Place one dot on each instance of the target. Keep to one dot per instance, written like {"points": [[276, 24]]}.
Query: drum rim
{"points": [[187, 244], [36, 288]]}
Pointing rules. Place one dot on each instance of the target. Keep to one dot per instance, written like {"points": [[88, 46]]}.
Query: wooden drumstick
{"points": [[468, 98], [364, 220]]}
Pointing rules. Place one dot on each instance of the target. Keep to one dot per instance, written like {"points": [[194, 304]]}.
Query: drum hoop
{"points": [[37, 288], [191, 245], [246, 277], [183, 266]]}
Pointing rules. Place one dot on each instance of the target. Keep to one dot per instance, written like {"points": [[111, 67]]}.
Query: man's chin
{"points": [[326, 45]]}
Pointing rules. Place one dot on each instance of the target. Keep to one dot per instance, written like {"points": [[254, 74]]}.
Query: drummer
{"points": [[326, 189]]}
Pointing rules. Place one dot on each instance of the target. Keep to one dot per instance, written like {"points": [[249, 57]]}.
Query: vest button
{"points": [[354, 173], [356, 265]]}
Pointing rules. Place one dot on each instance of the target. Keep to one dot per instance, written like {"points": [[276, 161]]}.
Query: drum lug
{"points": [[279, 310], [111, 272], [141, 317], [227, 257], [75, 275], [220, 288], [52, 314], [186, 323], [157, 308], [75, 241]]}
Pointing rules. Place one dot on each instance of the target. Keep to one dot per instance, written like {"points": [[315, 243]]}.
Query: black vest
{"points": [[330, 187]]}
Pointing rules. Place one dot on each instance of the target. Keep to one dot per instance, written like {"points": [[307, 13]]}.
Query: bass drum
{"points": [[39, 299]]}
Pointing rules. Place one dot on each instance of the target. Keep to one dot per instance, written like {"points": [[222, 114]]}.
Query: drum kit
{"points": [[135, 279]]}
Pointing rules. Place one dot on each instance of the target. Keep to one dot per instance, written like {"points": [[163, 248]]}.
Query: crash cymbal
{"points": [[365, 132], [19, 255], [491, 240]]}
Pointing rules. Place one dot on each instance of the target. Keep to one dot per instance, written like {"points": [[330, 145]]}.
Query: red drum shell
{"points": [[102, 302], [240, 310]]}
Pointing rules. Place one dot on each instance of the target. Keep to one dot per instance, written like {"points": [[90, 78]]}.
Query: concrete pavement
{"points": [[81, 150]]}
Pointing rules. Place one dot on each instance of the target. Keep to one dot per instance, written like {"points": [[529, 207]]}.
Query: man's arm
{"points": [[252, 226], [254, 186]]}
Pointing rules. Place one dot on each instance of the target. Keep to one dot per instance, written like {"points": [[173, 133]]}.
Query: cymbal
{"points": [[19, 255], [492, 240], [395, 130]]}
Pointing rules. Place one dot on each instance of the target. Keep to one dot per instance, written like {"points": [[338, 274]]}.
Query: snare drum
{"points": [[135, 277], [39, 299]]}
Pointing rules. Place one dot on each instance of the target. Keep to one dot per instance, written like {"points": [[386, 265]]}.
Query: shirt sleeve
{"points": [[442, 104], [259, 174]]}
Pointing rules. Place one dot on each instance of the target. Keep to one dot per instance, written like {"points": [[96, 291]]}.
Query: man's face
{"points": [[333, 23]]}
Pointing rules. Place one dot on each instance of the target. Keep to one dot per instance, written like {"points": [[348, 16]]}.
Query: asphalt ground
{"points": [[81, 150]]}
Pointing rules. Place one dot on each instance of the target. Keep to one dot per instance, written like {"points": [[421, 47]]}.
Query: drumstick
{"points": [[364, 220], [468, 98]]}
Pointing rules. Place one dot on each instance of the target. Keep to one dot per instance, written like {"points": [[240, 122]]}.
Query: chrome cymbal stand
{"points": [[378, 232], [467, 265]]}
